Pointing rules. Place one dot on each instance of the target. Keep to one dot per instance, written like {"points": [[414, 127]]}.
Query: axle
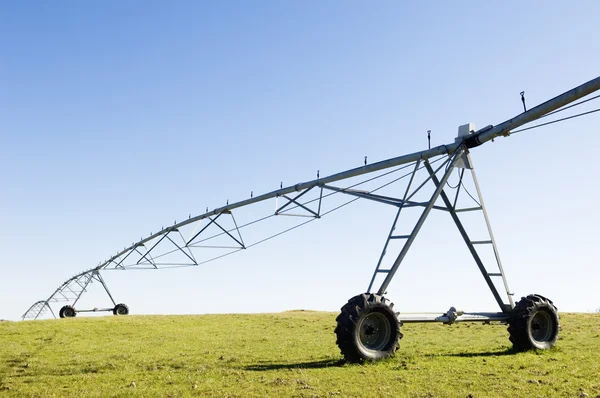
{"points": [[453, 315]]}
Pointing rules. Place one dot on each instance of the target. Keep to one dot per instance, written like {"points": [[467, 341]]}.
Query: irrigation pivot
{"points": [[368, 327]]}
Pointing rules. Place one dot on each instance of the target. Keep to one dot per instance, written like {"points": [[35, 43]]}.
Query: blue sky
{"points": [[116, 119]]}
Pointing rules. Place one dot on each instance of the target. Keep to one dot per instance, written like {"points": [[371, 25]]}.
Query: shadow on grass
{"points": [[508, 351], [325, 363]]}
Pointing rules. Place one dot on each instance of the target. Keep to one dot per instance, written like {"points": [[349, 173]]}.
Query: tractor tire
{"points": [[368, 329], [534, 324], [121, 309], [68, 311]]}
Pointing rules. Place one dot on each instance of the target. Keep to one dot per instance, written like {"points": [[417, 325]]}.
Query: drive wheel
{"points": [[121, 309], [68, 311], [368, 328], [534, 324]]}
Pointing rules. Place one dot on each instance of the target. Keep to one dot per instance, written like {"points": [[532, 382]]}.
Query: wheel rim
{"points": [[375, 331], [542, 326], [121, 311], [69, 313]]}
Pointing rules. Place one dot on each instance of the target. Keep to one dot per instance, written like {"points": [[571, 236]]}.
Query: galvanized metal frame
{"points": [[73, 288]]}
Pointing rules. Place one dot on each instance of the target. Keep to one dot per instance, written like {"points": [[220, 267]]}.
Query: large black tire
{"points": [[534, 324], [121, 309], [68, 311], [368, 328]]}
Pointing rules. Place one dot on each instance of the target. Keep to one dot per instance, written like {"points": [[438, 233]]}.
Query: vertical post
{"points": [[320, 200]]}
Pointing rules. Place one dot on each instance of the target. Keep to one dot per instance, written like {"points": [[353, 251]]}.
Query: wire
{"points": [[570, 106], [468, 193], [283, 232], [324, 196], [555, 121], [296, 206], [298, 225], [312, 219], [457, 184], [546, 124], [405, 166]]}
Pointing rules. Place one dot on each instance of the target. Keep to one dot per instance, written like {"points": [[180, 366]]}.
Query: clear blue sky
{"points": [[119, 117]]}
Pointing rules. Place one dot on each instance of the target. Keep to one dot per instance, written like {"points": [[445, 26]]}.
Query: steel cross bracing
{"points": [[460, 160], [310, 213], [153, 252]]}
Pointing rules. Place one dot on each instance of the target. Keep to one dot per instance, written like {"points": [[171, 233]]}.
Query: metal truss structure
{"points": [[426, 187]]}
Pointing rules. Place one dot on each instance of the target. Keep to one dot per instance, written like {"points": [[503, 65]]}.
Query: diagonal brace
{"points": [[505, 308], [183, 251], [101, 280], [295, 201], [420, 222]]}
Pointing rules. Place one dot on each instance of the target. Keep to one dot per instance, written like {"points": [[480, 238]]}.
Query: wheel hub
{"points": [[375, 331], [541, 326]]}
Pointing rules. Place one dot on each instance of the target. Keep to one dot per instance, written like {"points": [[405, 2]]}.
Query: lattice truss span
{"points": [[420, 181], [218, 233]]}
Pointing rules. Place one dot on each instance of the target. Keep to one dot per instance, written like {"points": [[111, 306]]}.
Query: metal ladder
{"points": [[463, 162]]}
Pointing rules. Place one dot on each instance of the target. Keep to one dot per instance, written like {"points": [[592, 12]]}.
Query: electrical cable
{"points": [[457, 184], [468, 193]]}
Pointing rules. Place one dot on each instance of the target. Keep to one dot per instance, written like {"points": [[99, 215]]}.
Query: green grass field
{"points": [[292, 354]]}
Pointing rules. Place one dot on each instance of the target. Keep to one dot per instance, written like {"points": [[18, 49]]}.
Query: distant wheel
{"points": [[534, 324], [68, 311], [368, 328], [121, 309]]}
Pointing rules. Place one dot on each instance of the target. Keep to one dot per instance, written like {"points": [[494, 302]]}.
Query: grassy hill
{"points": [[292, 354]]}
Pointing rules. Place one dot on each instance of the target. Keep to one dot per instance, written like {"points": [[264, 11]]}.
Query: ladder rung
{"points": [[481, 242], [467, 209], [386, 271], [494, 274], [400, 237]]}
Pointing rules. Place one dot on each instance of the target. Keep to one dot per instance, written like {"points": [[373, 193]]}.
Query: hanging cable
{"points": [[468, 193], [457, 184]]}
